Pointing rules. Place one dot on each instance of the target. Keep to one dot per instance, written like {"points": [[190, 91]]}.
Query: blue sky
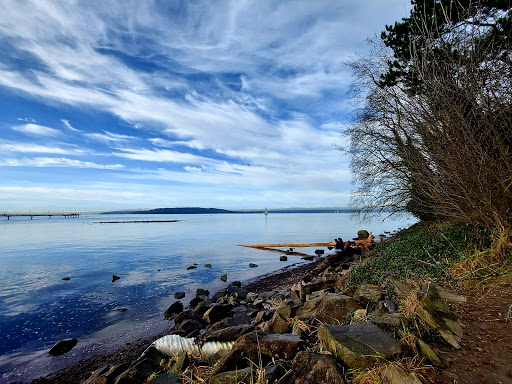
{"points": [[144, 104]]}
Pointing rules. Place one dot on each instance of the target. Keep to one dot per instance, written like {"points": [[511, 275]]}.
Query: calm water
{"points": [[38, 308]]}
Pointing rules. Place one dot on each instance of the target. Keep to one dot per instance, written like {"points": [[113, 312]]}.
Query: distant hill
{"points": [[184, 211], [198, 210]]}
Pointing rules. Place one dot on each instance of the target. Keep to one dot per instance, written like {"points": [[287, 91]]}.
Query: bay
{"points": [[38, 308]]}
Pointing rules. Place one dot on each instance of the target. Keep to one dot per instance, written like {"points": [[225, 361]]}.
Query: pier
{"points": [[32, 215]]}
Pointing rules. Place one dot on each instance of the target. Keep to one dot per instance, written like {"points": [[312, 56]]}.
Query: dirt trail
{"points": [[486, 353]]}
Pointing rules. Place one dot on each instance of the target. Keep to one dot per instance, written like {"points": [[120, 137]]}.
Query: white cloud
{"points": [[56, 162], [36, 130], [36, 148], [161, 155], [68, 125], [109, 137]]}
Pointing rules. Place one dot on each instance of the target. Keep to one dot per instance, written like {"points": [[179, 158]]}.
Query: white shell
{"points": [[172, 344]]}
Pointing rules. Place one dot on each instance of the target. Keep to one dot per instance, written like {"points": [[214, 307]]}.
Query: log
{"points": [[332, 243]]}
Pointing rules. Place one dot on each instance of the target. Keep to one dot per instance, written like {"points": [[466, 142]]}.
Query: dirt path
{"points": [[486, 353]]}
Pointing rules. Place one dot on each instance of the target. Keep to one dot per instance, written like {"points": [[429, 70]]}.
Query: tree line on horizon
{"points": [[433, 134]]}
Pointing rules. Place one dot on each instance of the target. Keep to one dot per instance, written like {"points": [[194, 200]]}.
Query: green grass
{"points": [[426, 248]]}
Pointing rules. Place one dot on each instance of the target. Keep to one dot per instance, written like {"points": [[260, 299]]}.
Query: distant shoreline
{"points": [[199, 210]]}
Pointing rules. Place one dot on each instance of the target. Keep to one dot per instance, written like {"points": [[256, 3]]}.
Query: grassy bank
{"points": [[426, 248]]}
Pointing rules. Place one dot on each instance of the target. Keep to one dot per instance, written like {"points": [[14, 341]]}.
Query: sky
{"points": [[109, 105]]}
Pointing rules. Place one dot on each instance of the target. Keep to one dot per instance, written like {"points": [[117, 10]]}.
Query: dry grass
{"points": [[408, 305], [413, 365]]}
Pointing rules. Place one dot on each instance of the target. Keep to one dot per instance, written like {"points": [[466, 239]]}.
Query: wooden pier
{"points": [[32, 215]]}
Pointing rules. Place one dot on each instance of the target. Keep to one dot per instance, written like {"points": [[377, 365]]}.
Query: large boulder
{"points": [[396, 319], [334, 308], [281, 346], [358, 345], [166, 378], [363, 234], [311, 287], [313, 368]]}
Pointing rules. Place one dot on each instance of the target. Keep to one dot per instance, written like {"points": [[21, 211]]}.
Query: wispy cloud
{"points": [[35, 148], [56, 162], [110, 138], [68, 125], [36, 130]]}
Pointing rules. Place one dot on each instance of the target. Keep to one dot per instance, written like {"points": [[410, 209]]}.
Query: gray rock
{"points": [[281, 346], [334, 308], [232, 377], [395, 375], [63, 346], [66, 278], [121, 309], [224, 277], [396, 319], [166, 378], [181, 364], [252, 265], [146, 367], [229, 333], [114, 278], [273, 373], [367, 294], [217, 312], [358, 345], [235, 283], [278, 324], [313, 368], [192, 267], [238, 318], [283, 258], [130, 376], [179, 295], [190, 326], [173, 309], [202, 292]]}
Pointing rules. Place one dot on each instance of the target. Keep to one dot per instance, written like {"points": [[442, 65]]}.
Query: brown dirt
{"points": [[485, 356]]}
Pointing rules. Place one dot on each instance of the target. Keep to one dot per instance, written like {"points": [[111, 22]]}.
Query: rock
{"points": [[334, 308], [309, 308], [252, 265], [401, 288], [229, 333], [368, 294], [98, 377], [63, 346], [114, 278], [307, 258], [217, 312], [121, 309], [243, 352], [166, 378], [197, 300], [130, 376], [428, 353], [153, 354], [189, 326], [283, 258], [179, 295], [192, 267], [363, 234], [273, 373], [186, 315], [173, 309], [239, 318], [146, 367], [264, 316], [446, 323], [235, 283], [313, 368], [181, 364], [278, 324], [307, 289], [202, 292], [393, 374], [281, 346], [439, 293], [207, 265], [358, 345], [232, 377], [224, 277], [66, 278], [389, 306], [319, 252], [397, 319]]}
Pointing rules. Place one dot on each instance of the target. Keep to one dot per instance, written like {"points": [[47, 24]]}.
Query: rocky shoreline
{"points": [[306, 324]]}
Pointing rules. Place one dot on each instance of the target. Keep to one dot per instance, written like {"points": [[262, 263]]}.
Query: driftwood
{"points": [[332, 243]]}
